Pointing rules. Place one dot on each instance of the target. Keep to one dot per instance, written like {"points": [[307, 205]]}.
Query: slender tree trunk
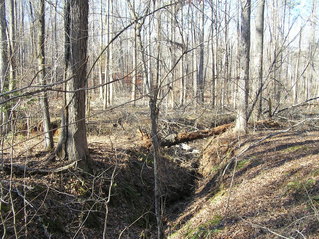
{"points": [[101, 46], [243, 81], [296, 88], [226, 55], [56, 56], [213, 86], [154, 94], [111, 28], [135, 58], [4, 65], [312, 50], [171, 84], [48, 138], [107, 59], [3, 47], [12, 35], [259, 41], [200, 76]]}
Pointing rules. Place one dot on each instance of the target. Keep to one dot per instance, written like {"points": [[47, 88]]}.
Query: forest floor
{"points": [[261, 185]]}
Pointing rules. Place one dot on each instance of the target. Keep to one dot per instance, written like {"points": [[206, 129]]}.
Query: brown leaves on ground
{"points": [[270, 191]]}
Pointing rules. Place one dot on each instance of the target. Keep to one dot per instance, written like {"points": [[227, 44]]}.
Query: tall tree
{"points": [[200, 73], [101, 47], [108, 88], [213, 50], [135, 53], [313, 45], [42, 74], [154, 110], [76, 143], [12, 36], [259, 51], [138, 47], [244, 58], [3, 46], [3, 57]]}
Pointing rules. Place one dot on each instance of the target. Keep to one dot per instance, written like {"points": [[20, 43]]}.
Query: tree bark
{"points": [[12, 35], [200, 74], [3, 47], [135, 60], [48, 138], [77, 146], [213, 50], [243, 81], [259, 41], [154, 94], [3, 61], [108, 91]]}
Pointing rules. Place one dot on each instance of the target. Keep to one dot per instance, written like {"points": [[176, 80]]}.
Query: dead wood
{"points": [[17, 169], [184, 137], [199, 134]]}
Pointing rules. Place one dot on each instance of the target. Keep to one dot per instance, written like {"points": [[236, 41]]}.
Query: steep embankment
{"points": [[270, 188]]}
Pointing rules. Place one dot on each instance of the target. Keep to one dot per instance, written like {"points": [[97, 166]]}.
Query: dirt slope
{"points": [[270, 191]]}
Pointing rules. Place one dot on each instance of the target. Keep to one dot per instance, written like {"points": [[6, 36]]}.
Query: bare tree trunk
{"points": [[107, 76], [296, 84], [182, 87], [200, 74], [135, 57], [171, 84], [259, 41], [154, 94], [243, 81], [3, 47], [12, 35], [313, 47], [48, 138], [55, 43], [226, 56], [193, 62], [77, 147], [101, 46], [4, 66], [213, 48]]}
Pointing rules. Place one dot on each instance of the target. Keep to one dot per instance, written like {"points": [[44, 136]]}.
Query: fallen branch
{"points": [[24, 170], [296, 105]]}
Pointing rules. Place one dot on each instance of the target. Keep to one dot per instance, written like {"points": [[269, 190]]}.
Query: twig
{"points": [[296, 105], [108, 201], [83, 222], [303, 236], [265, 228], [127, 227], [312, 204], [231, 184], [4, 232], [23, 198], [18, 169]]}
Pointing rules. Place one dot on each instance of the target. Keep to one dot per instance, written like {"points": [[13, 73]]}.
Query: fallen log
{"points": [[199, 134]]}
